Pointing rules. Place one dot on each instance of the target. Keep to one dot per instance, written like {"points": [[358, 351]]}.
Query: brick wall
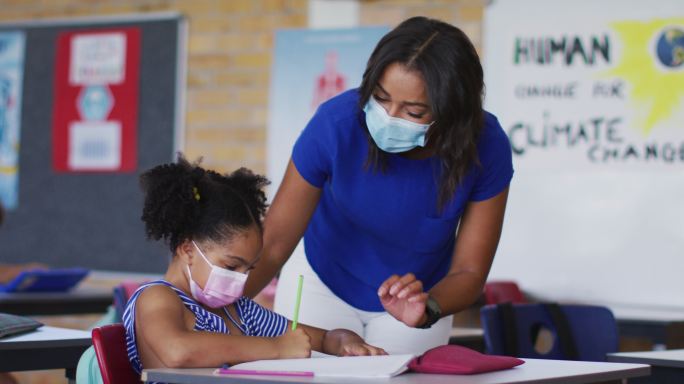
{"points": [[465, 14], [229, 58]]}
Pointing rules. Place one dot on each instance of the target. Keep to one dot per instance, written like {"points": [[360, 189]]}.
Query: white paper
{"points": [[95, 145], [98, 59], [348, 366]]}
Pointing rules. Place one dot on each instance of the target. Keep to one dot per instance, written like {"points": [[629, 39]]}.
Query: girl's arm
{"points": [[477, 239], [284, 225], [165, 340]]}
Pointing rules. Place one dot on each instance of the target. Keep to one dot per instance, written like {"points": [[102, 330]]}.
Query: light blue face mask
{"points": [[392, 134]]}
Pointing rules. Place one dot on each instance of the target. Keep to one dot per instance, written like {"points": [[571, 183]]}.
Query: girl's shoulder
{"points": [[157, 296], [152, 291]]}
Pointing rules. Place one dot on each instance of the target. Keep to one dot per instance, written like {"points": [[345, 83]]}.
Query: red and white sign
{"points": [[96, 101]]}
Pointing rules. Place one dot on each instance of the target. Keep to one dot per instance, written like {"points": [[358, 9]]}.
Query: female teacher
{"points": [[399, 189]]}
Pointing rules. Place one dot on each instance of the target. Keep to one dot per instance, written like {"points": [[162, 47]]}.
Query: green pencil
{"points": [[299, 300]]}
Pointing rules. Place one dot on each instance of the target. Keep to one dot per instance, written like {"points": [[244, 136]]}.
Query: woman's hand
{"points": [[403, 298], [294, 344]]}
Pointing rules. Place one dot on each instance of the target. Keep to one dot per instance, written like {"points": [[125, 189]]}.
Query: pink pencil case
{"points": [[455, 359]]}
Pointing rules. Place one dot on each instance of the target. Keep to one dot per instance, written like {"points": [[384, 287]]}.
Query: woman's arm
{"points": [[165, 340], [476, 242], [284, 225], [477, 239]]}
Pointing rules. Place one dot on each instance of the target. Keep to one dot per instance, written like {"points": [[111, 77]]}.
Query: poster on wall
{"points": [[12, 47], [96, 101], [591, 95], [309, 67]]}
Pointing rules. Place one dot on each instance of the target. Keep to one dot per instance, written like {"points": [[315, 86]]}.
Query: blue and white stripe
{"points": [[260, 321]]}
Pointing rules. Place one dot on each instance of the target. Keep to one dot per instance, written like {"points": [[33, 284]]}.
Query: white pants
{"points": [[321, 308]]}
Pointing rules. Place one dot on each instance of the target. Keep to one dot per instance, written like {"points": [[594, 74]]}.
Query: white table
{"points": [[667, 366], [533, 371], [44, 348]]}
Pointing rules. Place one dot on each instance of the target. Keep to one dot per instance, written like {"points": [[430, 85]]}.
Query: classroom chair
{"points": [[110, 348], [122, 293], [496, 292], [578, 332]]}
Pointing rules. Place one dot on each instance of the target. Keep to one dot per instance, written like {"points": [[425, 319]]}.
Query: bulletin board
{"points": [[91, 217]]}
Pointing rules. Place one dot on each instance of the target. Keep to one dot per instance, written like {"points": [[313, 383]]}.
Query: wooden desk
{"points": [[667, 367], [533, 371], [93, 295], [665, 328], [44, 348], [78, 301]]}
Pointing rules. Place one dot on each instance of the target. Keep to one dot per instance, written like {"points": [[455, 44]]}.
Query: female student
{"points": [[196, 316], [379, 182]]}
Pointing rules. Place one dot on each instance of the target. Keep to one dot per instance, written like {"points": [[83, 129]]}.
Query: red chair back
{"points": [[110, 348], [497, 292], [122, 293]]}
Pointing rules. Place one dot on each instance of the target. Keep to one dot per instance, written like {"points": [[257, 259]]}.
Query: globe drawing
{"points": [[670, 47]]}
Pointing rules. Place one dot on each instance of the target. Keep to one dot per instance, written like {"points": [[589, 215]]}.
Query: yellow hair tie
{"points": [[196, 193]]}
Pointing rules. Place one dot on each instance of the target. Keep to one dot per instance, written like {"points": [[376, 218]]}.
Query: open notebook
{"points": [[332, 366]]}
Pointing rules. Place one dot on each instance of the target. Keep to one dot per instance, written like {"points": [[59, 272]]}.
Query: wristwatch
{"points": [[433, 313]]}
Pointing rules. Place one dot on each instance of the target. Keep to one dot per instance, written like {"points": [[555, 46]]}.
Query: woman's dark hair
{"points": [[184, 201], [451, 69]]}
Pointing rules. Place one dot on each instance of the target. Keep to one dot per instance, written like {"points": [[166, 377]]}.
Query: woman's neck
{"points": [[418, 153]]}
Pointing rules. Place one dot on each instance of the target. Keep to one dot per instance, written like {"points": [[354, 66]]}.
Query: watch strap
{"points": [[432, 312]]}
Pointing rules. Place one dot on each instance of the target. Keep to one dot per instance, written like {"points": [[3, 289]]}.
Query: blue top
{"points": [[254, 320], [368, 224]]}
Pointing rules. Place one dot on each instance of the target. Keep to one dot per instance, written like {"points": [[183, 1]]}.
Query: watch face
{"points": [[432, 307], [432, 311]]}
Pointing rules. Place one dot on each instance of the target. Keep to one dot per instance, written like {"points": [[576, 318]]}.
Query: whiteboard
{"points": [[594, 111]]}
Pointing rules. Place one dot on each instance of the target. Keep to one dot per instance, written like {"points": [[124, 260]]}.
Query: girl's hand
{"points": [[403, 298], [293, 344]]}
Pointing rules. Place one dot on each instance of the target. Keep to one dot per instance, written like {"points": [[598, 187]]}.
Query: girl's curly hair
{"points": [[184, 201]]}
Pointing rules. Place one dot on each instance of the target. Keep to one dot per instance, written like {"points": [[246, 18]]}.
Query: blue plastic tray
{"points": [[45, 280]]}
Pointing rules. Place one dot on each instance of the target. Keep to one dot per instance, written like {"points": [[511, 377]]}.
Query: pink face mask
{"points": [[223, 287]]}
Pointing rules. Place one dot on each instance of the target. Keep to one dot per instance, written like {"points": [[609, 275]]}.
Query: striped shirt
{"points": [[253, 320]]}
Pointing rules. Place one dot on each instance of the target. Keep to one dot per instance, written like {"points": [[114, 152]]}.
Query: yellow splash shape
{"points": [[656, 91]]}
